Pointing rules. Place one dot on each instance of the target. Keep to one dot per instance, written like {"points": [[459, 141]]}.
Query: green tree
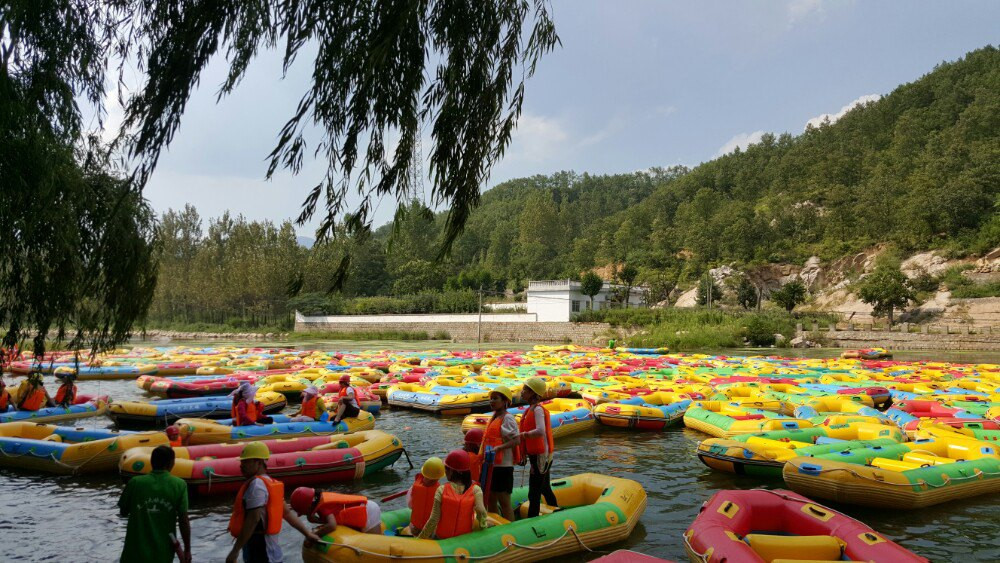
{"points": [[590, 285], [706, 287], [746, 293], [789, 295], [886, 289], [626, 275]]}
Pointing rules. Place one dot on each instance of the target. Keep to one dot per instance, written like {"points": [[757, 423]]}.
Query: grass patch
{"points": [[216, 328]]}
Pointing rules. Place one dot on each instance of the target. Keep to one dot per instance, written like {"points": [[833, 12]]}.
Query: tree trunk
{"points": [[890, 316]]}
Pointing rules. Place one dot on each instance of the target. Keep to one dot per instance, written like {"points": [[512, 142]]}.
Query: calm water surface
{"points": [[67, 518]]}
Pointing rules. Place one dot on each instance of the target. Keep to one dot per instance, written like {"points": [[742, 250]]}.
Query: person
{"points": [[348, 406], [536, 439], [332, 509], [458, 504], [174, 435], [156, 505], [312, 408], [501, 437], [66, 394], [473, 441], [246, 411], [33, 395], [259, 509], [612, 344], [420, 497], [5, 401]]}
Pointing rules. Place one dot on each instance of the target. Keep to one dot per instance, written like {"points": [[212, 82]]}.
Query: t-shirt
{"points": [[508, 431], [351, 397], [255, 497], [152, 503]]}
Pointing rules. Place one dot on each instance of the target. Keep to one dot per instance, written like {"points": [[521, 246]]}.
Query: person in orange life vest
{"points": [[246, 410], [32, 394], [259, 510], [5, 400], [420, 497], [537, 443], [348, 406], [458, 504], [502, 437], [312, 408], [66, 394], [473, 441], [333, 509], [174, 435]]}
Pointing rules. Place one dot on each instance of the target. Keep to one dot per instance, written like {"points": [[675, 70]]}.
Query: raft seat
{"points": [[927, 459], [811, 548], [894, 464]]}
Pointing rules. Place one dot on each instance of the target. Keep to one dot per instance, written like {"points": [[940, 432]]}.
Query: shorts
{"points": [[502, 480], [350, 411]]}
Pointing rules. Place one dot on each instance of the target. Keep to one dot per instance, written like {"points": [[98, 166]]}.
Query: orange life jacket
{"points": [[422, 499], [175, 443], [536, 444], [493, 438], [64, 390], [274, 509], [251, 412], [309, 407], [457, 512], [349, 510], [476, 466], [4, 400], [34, 400], [353, 400]]}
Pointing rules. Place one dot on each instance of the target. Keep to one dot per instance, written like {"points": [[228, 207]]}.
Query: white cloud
{"points": [[742, 140], [538, 137], [833, 117], [613, 126], [801, 10]]}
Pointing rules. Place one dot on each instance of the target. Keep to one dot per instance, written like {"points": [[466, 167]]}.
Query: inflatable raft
{"points": [[567, 416], [655, 411], [439, 399], [84, 407], [215, 468], [162, 413], [84, 372], [598, 510], [66, 450], [903, 476], [195, 431], [725, 420], [760, 525]]}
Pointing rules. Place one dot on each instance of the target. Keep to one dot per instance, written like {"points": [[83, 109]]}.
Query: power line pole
{"points": [[479, 329]]}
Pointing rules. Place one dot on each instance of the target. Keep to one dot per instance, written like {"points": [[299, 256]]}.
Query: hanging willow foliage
{"points": [[380, 70]]}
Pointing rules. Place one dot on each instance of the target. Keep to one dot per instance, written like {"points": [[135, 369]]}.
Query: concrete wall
{"points": [[906, 337], [334, 320], [494, 331]]}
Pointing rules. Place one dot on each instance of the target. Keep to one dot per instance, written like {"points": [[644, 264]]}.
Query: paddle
{"points": [[395, 496], [489, 455]]}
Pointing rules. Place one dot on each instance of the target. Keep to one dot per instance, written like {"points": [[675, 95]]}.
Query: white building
{"points": [[558, 300]]}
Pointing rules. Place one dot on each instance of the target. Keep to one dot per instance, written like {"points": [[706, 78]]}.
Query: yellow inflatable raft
{"points": [[203, 431], [61, 449]]}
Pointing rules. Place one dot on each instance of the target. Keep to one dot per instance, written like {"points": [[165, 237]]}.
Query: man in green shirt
{"points": [[156, 504]]}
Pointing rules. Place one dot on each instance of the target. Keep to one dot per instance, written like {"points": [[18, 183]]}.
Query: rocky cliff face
{"points": [[829, 286]]}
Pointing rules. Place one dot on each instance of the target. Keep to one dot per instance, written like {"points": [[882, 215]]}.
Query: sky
{"points": [[635, 84]]}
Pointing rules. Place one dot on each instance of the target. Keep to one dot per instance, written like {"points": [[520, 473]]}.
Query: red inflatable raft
{"points": [[762, 525]]}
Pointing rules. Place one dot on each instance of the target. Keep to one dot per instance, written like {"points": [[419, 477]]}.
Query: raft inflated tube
{"points": [[202, 431], [66, 450], [85, 406], [129, 414]]}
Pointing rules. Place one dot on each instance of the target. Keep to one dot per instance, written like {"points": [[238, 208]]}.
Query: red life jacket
{"points": [[457, 512], [4, 400], [493, 438], [275, 507], [175, 443], [34, 400], [536, 444], [251, 413], [66, 394], [349, 510], [309, 407], [476, 466], [422, 499]]}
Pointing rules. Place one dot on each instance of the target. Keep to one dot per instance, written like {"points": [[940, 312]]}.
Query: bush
{"points": [[760, 330]]}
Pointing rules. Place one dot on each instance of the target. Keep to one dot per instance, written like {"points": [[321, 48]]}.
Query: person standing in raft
{"points": [[420, 497], [474, 441], [458, 504], [537, 442], [333, 509], [312, 408], [32, 393], [260, 507], [501, 437], [348, 406], [66, 394], [156, 505]]}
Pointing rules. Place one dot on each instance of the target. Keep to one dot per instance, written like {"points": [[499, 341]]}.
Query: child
{"points": [[312, 408], [420, 497], [458, 504], [66, 394], [537, 442], [501, 437], [333, 509], [473, 441]]}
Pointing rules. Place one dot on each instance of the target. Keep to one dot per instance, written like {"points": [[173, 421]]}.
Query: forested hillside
{"points": [[919, 168]]}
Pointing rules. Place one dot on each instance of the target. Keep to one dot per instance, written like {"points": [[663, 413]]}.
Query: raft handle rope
{"points": [[359, 551], [977, 474], [407, 454]]}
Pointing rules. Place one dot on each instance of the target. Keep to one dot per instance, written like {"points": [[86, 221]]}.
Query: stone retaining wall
{"points": [[577, 333], [906, 337]]}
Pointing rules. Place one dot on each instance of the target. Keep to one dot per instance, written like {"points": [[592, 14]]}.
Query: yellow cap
{"points": [[503, 390], [537, 385], [433, 468], [255, 450]]}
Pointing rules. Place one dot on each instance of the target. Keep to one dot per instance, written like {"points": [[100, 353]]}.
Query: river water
{"points": [[73, 518]]}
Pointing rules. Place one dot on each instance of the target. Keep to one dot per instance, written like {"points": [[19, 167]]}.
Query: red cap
{"points": [[458, 460], [302, 500], [474, 436], [346, 378], [173, 432]]}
